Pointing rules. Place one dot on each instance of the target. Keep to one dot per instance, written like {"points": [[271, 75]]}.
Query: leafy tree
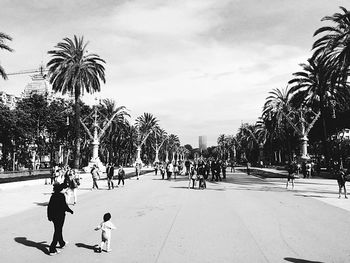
{"points": [[72, 70]]}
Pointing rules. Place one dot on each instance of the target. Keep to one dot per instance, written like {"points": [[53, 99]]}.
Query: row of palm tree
{"points": [[73, 70], [319, 89]]}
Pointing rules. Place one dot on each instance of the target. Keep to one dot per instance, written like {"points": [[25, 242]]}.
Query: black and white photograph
{"points": [[174, 131]]}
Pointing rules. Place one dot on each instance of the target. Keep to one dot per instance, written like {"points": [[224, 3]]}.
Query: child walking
{"points": [[106, 226]]}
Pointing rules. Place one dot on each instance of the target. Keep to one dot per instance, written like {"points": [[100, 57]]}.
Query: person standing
{"points": [[138, 169], [121, 174], [292, 169], [340, 175], [95, 176], [56, 213], [74, 182], [106, 226], [110, 175], [223, 167]]}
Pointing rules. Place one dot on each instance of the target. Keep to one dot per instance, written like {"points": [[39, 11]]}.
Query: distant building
{"points": [[38, 86], [8, 100], [202, 143]]}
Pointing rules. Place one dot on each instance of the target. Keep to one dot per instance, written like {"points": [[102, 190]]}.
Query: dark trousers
{"points": [[94, 184], [213, 175], [120, 179], [110, 183], [217, 176], [57, 235]]}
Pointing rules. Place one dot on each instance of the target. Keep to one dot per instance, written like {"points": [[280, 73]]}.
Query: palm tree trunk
{"points": [[77, 132], [325, 136]]}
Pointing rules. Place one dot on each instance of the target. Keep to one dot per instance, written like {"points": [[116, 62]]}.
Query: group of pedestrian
{"points": [[96, 175]]}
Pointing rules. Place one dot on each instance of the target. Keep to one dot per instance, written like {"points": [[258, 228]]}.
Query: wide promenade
{"points": [[242, 219]]}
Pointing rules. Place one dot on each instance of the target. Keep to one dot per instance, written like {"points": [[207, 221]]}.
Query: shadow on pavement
{"points": [[298, 260], [82, 245], [29, 243], [41, 204]]}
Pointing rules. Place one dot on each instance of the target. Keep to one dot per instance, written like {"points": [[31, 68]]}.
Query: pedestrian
{"points": [[56, 212], [233, 166], [193, 176], [138, 169], [308, 169], [340, 175], [162, 171], [110, 175], [106, 226], [223, 168], [248, 167], [95, 176], [156, 168], [74, 182], [175, 170], [292, 169], [121, 174]]}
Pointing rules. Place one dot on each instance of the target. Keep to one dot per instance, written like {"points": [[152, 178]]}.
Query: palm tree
{"points": [[222, 144], [145, 125], [173, 144], [275, 107], [3, 38], [335, 42], [111, 138], [318, 90], [72, 70]]}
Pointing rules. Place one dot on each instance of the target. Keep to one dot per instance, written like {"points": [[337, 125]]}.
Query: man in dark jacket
{"points": [[56, 212], [110, 175]]}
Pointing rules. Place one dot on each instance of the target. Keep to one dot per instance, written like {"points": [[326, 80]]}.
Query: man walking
{"points": [[110, 175], [121, 174], [56, 212]]}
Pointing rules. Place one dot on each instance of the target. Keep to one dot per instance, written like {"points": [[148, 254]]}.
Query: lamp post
{"points": [[302, 127]]}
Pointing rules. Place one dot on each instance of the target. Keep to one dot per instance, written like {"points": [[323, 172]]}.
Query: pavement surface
{"points": [[242, 219]]}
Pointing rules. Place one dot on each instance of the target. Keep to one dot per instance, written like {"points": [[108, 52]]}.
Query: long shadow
{"points": [[298, 260], [29, 243], [196, 188], [42, 204], [82, 245]]}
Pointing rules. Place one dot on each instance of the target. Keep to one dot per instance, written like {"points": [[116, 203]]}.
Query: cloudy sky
{"points": [[200, 66]]}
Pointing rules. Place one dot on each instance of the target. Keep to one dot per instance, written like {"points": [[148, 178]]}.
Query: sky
{"points": [[201, 67]]}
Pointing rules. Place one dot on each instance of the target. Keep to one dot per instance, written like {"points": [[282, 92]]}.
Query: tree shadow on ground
{"points": [[298, 260], [90, 247], [29, 243], [41, 204]]}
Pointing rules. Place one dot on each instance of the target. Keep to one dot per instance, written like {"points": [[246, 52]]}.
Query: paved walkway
{"points": [[242, 219]]}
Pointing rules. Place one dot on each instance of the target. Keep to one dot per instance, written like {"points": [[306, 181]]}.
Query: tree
{"points": [[173, 143], [72, 70], [315, 84], [145, 125], [111, 139], [3, 38]]}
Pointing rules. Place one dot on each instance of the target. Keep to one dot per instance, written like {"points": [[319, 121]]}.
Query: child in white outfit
{"points": [[106, 226]]}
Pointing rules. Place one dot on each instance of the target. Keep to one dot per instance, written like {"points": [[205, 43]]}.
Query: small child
{"points": [[106, 226]]}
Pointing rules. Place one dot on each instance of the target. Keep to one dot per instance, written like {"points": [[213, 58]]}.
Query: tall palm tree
{"points": [[275, 107], [318, 88], [173, 144], [145, 125], [3, 38], [111, 139], [334, 42], [72, 70]]}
